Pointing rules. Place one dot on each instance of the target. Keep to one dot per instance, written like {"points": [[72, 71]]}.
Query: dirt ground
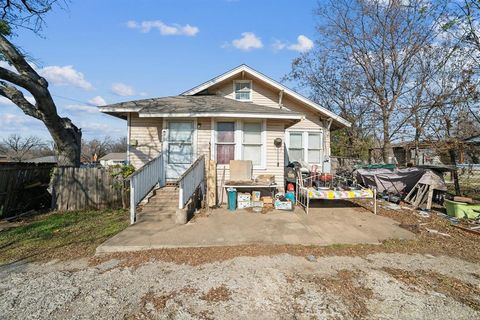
{"points": [[436, 276], [376, 286]]}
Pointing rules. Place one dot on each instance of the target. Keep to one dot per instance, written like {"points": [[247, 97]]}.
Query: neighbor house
{"points": [[235, 116], [113, 158]]}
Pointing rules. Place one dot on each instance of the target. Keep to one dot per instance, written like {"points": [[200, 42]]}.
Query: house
{"points": [[45, 159], [404, 153], [113, 158], [239, 115]]}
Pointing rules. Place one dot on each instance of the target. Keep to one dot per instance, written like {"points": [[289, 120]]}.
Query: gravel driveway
{"points": [[378, 286]]}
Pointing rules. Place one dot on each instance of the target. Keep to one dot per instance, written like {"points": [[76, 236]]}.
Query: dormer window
{"points": [[243, 90]]}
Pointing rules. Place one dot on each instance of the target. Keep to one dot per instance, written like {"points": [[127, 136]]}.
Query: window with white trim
{"points": [[305, 146], [252, 142], [243, 90], [295, 148], [240, 140], [314, 147], [225, 142]]}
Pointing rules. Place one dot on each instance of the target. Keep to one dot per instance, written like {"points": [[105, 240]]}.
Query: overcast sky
{"points": [[101, 52]]}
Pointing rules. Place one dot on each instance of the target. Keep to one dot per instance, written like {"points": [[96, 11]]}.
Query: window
{"points": [[243, 90], [314, 148], [252, 142], [225, 142], [239, 140], [305, 146], [295, 148]]}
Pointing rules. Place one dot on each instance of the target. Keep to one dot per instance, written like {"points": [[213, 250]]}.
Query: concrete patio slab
{"points": [[323, 226]]}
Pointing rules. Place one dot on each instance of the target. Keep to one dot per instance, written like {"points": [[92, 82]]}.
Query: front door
{"points": [[179, 148]]}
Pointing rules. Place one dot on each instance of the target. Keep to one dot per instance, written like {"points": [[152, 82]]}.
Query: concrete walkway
{"points": [[340, 224]]}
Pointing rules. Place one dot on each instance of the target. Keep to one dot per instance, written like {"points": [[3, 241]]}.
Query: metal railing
{"points": [[190, 180], [142, 182]]}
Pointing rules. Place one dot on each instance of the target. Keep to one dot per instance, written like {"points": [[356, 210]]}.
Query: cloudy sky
{"points": [[101, 52]]}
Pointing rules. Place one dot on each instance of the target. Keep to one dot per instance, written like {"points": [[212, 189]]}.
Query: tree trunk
{"points": [[387, 151], [453, 160], [68, 139], [65, 134], [417, 146]]}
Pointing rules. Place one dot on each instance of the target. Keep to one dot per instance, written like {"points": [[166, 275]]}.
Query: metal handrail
{"points": [[143, 181], [190, 180]]}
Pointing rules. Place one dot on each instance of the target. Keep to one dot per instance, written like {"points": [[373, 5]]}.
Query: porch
{"points": [[327, 224]]}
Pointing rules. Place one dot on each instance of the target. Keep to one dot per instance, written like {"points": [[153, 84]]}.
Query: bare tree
{"points": [[13, 84], [94, 149], [330, 84], [377, 41], [119, 145], [437, 84], [463, 22], [20, 149]]}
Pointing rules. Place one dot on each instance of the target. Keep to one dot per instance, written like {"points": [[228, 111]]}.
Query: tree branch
{"points": [[17, 59], [17, 97]]}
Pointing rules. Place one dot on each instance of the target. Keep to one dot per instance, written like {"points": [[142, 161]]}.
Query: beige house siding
{"points": [[145, 139], [145, 133], [275, 129], [204, 126], [265, 95]]}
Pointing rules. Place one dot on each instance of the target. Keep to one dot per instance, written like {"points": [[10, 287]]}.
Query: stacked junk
{"points": [[418, 186]]}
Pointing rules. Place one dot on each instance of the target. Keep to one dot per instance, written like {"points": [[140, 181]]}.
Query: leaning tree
{"points": [[22, 77]]}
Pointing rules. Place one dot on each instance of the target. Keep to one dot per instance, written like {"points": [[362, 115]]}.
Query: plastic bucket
{"points": [[232, 199], [290, 196]]}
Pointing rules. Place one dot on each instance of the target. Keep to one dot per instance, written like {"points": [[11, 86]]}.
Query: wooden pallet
{"points": [[421, 193]]}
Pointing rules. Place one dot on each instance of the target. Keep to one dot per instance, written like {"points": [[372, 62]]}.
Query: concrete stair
{"points": [[162, 206]]}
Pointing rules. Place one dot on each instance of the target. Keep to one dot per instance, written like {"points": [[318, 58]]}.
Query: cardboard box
{"points": [[265, 178], [283, 205], [244, 197], [244, 204], [256, 195], [257, 204], [267, 199]]}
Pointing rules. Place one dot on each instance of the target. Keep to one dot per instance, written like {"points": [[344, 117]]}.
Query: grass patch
{"points": [[60, 235]]}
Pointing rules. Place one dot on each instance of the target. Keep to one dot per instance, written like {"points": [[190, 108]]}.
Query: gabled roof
{"points": [[46, 159], [244, 68], [200, 106], [121, 156]]}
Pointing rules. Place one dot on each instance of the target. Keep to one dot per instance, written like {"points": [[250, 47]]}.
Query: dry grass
{"points": [[428, 281], [345, 286], [217, 294], [158, 302]]}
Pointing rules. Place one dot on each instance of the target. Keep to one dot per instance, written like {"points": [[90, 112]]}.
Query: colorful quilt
{"points": [[332, 194]]}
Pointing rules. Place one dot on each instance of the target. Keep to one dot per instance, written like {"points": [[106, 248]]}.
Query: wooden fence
{"points": [[23, 186], [87, 188]]}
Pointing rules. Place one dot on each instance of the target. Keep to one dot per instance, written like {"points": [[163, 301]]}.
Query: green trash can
{"points": [[232, 199]]}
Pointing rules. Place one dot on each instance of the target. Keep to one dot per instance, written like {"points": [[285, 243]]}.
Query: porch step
{"points": [[161, 206]]}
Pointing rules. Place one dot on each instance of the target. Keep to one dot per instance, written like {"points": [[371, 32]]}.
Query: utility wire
{"points": [[71, 99]]}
